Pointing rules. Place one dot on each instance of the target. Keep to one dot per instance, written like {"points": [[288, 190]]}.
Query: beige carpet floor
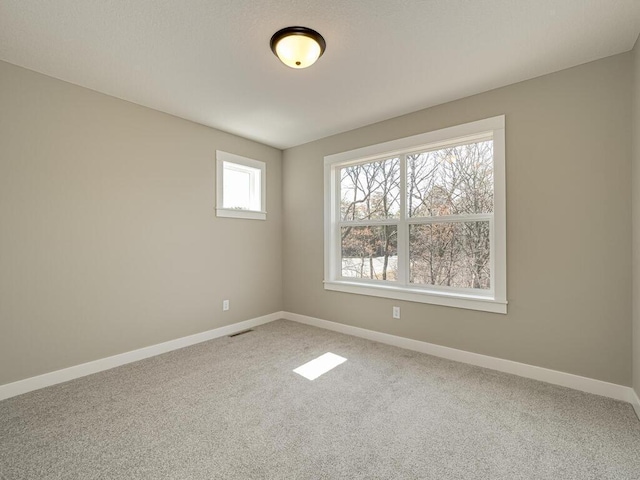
{"points": [[233, 408]]}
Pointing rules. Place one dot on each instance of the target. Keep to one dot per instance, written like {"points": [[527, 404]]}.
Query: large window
{"points": [[421, 218], [240, 187]]}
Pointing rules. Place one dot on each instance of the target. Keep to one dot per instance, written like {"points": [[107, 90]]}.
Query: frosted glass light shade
{"points": [[298, 47]]}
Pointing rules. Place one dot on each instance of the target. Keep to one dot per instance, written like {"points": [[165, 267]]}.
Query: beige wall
{"points": [[568, 141], [109, 240], [636, 216], [108, 236]]}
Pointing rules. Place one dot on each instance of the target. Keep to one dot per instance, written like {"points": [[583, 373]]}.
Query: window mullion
{"points": [[337, 234], [378, 222], [403, 228], [469, 217]]}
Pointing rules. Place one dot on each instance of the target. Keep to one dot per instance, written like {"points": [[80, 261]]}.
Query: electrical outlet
{"points": [[225, 305], [396, 312]]}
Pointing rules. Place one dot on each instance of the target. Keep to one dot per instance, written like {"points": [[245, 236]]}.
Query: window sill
{"points": [[248, 214], [470, 302]]}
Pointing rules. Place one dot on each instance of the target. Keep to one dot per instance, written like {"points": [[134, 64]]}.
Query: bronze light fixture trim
{"points": [[298, 47]]}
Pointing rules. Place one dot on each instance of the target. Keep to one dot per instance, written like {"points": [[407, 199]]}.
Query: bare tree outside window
{"points": [[370, 252], [370, 191], [445, 190], [450, 254], [421, 218], [451, 182]]}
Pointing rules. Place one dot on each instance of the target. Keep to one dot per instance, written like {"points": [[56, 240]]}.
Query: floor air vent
{"points": [[240, 333]]}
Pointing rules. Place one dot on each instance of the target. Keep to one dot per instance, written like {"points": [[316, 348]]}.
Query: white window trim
{"points": [[222, 157], [494, 301]]}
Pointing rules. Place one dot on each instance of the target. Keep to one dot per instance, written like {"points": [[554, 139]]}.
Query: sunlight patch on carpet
{"points": [[318, 366]]}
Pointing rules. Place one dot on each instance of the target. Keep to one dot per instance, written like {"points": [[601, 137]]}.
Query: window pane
{"points": [[450, 254], [241, 187], [371, 190], [370, 252], [451, 181]]}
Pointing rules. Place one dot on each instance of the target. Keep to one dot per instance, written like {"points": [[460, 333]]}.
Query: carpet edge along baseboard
{"points": [[555, 377]]}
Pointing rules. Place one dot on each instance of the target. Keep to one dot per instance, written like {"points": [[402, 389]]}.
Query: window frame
{"points": [[221, 158], [495, 299]]}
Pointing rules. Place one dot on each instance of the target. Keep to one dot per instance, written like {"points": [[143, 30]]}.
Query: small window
{"points": [[421, 218], [240, 187]]}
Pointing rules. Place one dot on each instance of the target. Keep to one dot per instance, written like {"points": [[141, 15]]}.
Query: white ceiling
{"points": [[209, 60]]}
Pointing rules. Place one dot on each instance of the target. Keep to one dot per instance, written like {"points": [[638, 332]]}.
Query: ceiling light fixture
{"points": [[298, 47]]}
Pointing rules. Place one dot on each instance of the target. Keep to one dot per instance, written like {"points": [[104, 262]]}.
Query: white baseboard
{"points": [[576, 382], [77, 371], [635, 401], [589, 385]]}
